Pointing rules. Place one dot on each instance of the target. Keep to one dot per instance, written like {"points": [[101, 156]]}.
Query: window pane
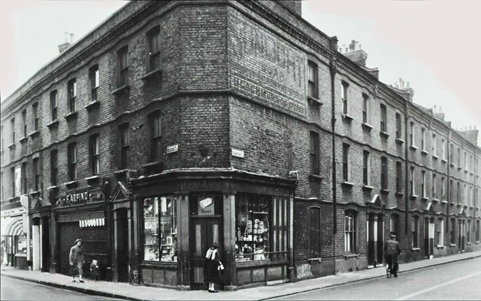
{"points": [[151, 229]]}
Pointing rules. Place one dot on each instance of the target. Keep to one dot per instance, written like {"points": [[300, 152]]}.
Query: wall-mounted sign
{"points": [[12, 212], [206, 206], [237, 153], [172, 148], [81, 196], [93, 222]]}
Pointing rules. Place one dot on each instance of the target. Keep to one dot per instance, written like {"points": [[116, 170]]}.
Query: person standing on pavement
{"points": [[392, 251], [76, 258], [212, 267]]}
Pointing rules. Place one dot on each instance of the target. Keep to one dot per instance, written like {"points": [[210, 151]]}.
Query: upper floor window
{"points": [[345, 104], [24, 123], [458, 194], [53, 168], [124, 146], [345, 162], [398, 176], [365, 168], [365, 108], [53, 104], [314, 152], [350, 232], [72, 161], [312, 81], [451, 191], [1, 137], [95, 154], [36, 174], [23, 172], [413, 182], [153, 37], [383, 118], [423, 139], [72, 95], [123, 64], [443, 149], [13, 185], [435, 151], [94, 83], [434, 184], [12, 124], [2, 191], [459, 157], [384, 175], [398, 126], [451, 155], [411, 137], [443, 189], [155, 136], [35, 116], [465, 160], [423, 184]]}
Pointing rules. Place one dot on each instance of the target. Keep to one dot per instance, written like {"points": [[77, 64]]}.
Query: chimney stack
{"points": [[355, 53], [406, 91], [470, 133], [64, 46]]}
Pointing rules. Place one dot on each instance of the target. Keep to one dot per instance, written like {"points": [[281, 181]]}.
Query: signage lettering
{"points": [[172, 148]]}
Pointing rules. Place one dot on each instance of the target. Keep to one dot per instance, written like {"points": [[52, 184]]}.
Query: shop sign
{"points": [[172, 148], [80, 197], [14, 211], [206, 206], [93, 222]]}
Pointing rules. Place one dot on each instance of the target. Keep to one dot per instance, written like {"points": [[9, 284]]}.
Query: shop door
{"points": [[68, 233], [122, 246], [372, 229], [380, 239], [204, 232], [45, 245]]}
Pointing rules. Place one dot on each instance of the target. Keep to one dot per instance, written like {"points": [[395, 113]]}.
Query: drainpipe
{"points": [[448, 190], [406, 171], [333, 71]]}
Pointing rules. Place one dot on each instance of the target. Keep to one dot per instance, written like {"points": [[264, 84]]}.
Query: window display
{"points": [[261, 232], [160, 229]]}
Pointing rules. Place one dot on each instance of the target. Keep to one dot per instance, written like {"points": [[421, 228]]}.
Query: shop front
{"points": [[249, 216], [82, 213], [14, 236]]}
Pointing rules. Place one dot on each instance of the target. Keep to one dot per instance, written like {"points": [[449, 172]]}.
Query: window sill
{"points": [[52, 124], [459, 168], [384, 134], [444, 202], [34, 133], [435, 157], [71, 184], [311, 260], [452, 165], [92, 105], [121, 90], [452, 245], [424, 152], [413, 196], [414, 148], [347, 117], [444, 161], [469, 243], [349, 256], [384, 191], [23, 140], [367, 187], [55, 187], [440, 247], [415, 249], [11, 146], [471, 173], [466, 171], [434, 200], [314, 177], [70, 116], [399, 194], [347, 184], [314, 100], [34, 193], [13, 199], [399, 141], [155, 74], [477, 242], [424, 198], [367, 126], [93, 180]]}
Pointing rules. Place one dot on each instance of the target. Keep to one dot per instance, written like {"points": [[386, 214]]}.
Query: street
{"points": [[454, 281], [13, 289]]}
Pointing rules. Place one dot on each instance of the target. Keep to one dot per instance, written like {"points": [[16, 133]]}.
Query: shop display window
{"points": [[261, 228], [160, 229], [22, 244]]}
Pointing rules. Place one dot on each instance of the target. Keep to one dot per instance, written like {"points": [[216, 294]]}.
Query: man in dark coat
{"points": [[392, 251], [76, 258]]}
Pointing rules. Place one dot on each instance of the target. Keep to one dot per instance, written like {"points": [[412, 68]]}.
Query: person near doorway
{"points": [[76, 258], [213, 266], [392, 251], [3, 252]]}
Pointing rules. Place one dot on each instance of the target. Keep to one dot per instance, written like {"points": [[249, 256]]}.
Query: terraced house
{"points": [[176, 124]]}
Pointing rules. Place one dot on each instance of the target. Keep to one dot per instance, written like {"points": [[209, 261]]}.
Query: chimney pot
{"points": [[72, 37]]}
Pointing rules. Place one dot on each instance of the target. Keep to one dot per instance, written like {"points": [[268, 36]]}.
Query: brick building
{"points": [[176, 124]]}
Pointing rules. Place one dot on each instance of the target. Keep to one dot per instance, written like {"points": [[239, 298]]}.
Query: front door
{"points": [[203, 233], [122, 245], [45, 245]]}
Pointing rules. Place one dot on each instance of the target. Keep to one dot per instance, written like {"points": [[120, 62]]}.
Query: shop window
{"points": [[350, 232], [261, 228], [160, 229], [21, 244]]}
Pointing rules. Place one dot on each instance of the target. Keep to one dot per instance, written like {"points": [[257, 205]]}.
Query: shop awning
{"points": [[12, 226]]}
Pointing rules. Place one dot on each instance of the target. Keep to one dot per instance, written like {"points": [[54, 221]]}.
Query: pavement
{"points": [[132, 292]]}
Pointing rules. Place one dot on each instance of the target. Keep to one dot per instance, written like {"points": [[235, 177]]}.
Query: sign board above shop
{"points": [[79, 197]]}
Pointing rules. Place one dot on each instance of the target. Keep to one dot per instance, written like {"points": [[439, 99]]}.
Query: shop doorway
{"points": [[375, 239], [45, 251], [203, 233], [122, 245], [428, 237]]}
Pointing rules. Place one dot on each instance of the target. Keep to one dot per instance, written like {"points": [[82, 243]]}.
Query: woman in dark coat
{"points": [[212, 267]]}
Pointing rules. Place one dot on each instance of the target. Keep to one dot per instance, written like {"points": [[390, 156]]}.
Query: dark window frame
{"points": [[72, 95], [153, 46], [314, 152], [36, 174], [383, 124], [345, 162], [72, 161], [54, 105], [35, 117], [123, 66], [366, 167], [94, 154], [384, 173], [344, 97], [94, 74], [124, 144], [54, 167], [155, 125]]}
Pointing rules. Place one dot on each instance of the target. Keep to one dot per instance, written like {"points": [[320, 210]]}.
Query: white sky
{"points": [[432, 44]]}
